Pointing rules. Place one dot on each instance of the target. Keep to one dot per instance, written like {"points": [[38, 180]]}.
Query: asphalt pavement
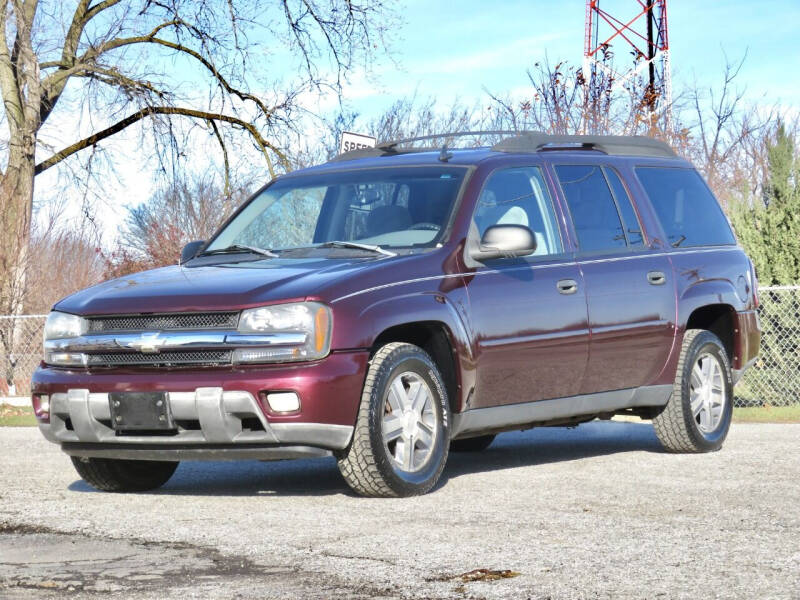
{"points": [[597, 511]]}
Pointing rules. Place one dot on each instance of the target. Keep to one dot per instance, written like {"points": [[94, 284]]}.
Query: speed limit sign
{"points": [[356, 141]]}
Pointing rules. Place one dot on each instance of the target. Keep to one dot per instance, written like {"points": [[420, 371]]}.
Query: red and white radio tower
{"points": [[645, 33]]}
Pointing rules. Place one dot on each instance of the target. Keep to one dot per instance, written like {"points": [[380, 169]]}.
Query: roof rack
{"points": [[529, 141], [390, 148], [631, 145]]}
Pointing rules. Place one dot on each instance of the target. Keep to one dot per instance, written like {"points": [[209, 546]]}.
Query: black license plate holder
{"points": [[140, 411]]}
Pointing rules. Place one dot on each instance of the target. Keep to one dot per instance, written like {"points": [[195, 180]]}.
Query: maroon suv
{"points": [[392, 305]]}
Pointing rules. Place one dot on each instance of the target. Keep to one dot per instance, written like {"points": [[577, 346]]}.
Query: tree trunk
{"points": [[16, 200]]}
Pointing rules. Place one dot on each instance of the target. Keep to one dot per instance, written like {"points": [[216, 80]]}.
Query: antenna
{"points": [[644, 30]]}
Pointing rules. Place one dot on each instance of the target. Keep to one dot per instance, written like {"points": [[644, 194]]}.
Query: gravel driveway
{"points": [[598, 511]]}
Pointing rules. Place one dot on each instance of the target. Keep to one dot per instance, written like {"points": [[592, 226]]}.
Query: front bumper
{"points": [[217, 411]]}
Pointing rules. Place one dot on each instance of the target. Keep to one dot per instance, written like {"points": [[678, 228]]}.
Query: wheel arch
{"points": [[713, 305], [719, 319], [436, 339]]}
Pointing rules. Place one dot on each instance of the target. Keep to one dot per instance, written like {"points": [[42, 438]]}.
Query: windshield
{"points": [[386, 207]]}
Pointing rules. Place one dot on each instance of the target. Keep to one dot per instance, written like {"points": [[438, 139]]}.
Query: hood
{"points": [[230, 286]]}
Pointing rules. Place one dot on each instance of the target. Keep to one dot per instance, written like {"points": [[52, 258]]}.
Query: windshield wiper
{"points": [[342, 244], [239, 248]]}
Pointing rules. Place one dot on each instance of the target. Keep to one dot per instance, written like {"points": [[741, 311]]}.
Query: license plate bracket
{"points": [[140, 411]]}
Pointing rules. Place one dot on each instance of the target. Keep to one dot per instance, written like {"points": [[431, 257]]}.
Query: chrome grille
{"points": [[121, 359], [164, 322]]}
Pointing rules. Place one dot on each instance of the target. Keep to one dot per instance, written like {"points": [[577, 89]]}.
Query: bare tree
{"points": [[122, 59], [64, 256], [154, 232], [563, 101], [730, 137]]}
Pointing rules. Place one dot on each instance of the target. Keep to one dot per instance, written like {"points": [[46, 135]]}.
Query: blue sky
{"points": [[455, 49]]}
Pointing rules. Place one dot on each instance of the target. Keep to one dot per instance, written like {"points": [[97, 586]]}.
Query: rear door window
{"points": [[689, 213], [594, 212]]}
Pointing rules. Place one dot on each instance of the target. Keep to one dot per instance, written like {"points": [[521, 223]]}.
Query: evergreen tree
{"points": [[770, 229]]}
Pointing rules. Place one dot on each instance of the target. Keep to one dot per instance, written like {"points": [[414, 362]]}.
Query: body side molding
{"points": [[487, 419]]}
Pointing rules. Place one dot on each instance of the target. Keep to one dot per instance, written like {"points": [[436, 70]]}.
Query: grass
{"points": [[16, 416], [767, 414]]}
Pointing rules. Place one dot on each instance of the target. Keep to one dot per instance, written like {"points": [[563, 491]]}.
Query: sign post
{"points": [[356, 141]]}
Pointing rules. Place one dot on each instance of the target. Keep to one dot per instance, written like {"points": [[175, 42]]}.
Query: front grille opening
{"points": [[188, 424], [68, 424], [164, 322], [252, 424], [147, 432], [165, 359]]}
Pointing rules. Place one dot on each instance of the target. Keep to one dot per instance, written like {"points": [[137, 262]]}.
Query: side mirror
{"points": [[505, 241], [190, 250]]}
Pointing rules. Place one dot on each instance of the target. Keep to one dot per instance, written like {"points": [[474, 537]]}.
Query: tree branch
{"points": [[53, 85], [224, 157], [93, 139]]}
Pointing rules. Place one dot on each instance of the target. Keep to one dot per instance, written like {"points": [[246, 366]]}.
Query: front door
{"points": [[528, 315]]}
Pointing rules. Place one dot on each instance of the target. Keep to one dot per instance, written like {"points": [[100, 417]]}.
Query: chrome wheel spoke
{"points": [[417, 396], [424, 435], [696, 403], [397, 396], [704, 418], [408, 454], [392, 427], [697, 376]]}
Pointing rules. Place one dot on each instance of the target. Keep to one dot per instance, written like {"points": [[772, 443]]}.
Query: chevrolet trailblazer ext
{"points": [[392, 305]]}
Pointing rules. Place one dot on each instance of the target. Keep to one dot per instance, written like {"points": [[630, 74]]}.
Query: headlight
{"points": [[296, 331], [61, 325]]}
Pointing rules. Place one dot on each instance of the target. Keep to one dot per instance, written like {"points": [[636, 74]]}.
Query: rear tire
{"points": [[113, 475], [697, 416], [400, 441], [473, 444]]}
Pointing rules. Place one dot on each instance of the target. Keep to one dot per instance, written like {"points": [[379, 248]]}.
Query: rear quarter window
{"points": [[688, 211]]}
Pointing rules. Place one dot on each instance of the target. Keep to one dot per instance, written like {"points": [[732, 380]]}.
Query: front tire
{"points": [[697, 416], [401, 438], [113, 475]]}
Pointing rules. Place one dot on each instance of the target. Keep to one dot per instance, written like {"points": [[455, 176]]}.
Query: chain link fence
{"points": [[775, 378], [20, 352], [773, 381]]}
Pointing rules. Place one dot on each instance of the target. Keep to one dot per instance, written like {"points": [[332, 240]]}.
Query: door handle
{"points": [[567, 286], [656, 278]]}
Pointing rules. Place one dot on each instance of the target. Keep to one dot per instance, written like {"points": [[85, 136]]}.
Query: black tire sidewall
{"points": [[704, 343], [417, 361]]}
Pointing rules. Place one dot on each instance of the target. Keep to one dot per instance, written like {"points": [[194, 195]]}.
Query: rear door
{"points": [[528, 315], [630, 287]]}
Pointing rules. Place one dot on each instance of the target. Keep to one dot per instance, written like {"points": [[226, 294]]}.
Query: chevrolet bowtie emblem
{"points": [[148, 343]]}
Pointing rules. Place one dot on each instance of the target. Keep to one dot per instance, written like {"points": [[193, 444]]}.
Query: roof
{"points": [[526, 142]]}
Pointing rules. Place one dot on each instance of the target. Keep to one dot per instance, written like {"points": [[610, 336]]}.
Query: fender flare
{"points": [[705, 293], [420, 307]]}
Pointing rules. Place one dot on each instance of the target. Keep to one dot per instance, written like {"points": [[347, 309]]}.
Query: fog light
{"points": [[283, 401], [41, 407]]}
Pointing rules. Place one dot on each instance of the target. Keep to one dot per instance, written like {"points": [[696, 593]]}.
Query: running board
{"points": [[526, 413]]}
